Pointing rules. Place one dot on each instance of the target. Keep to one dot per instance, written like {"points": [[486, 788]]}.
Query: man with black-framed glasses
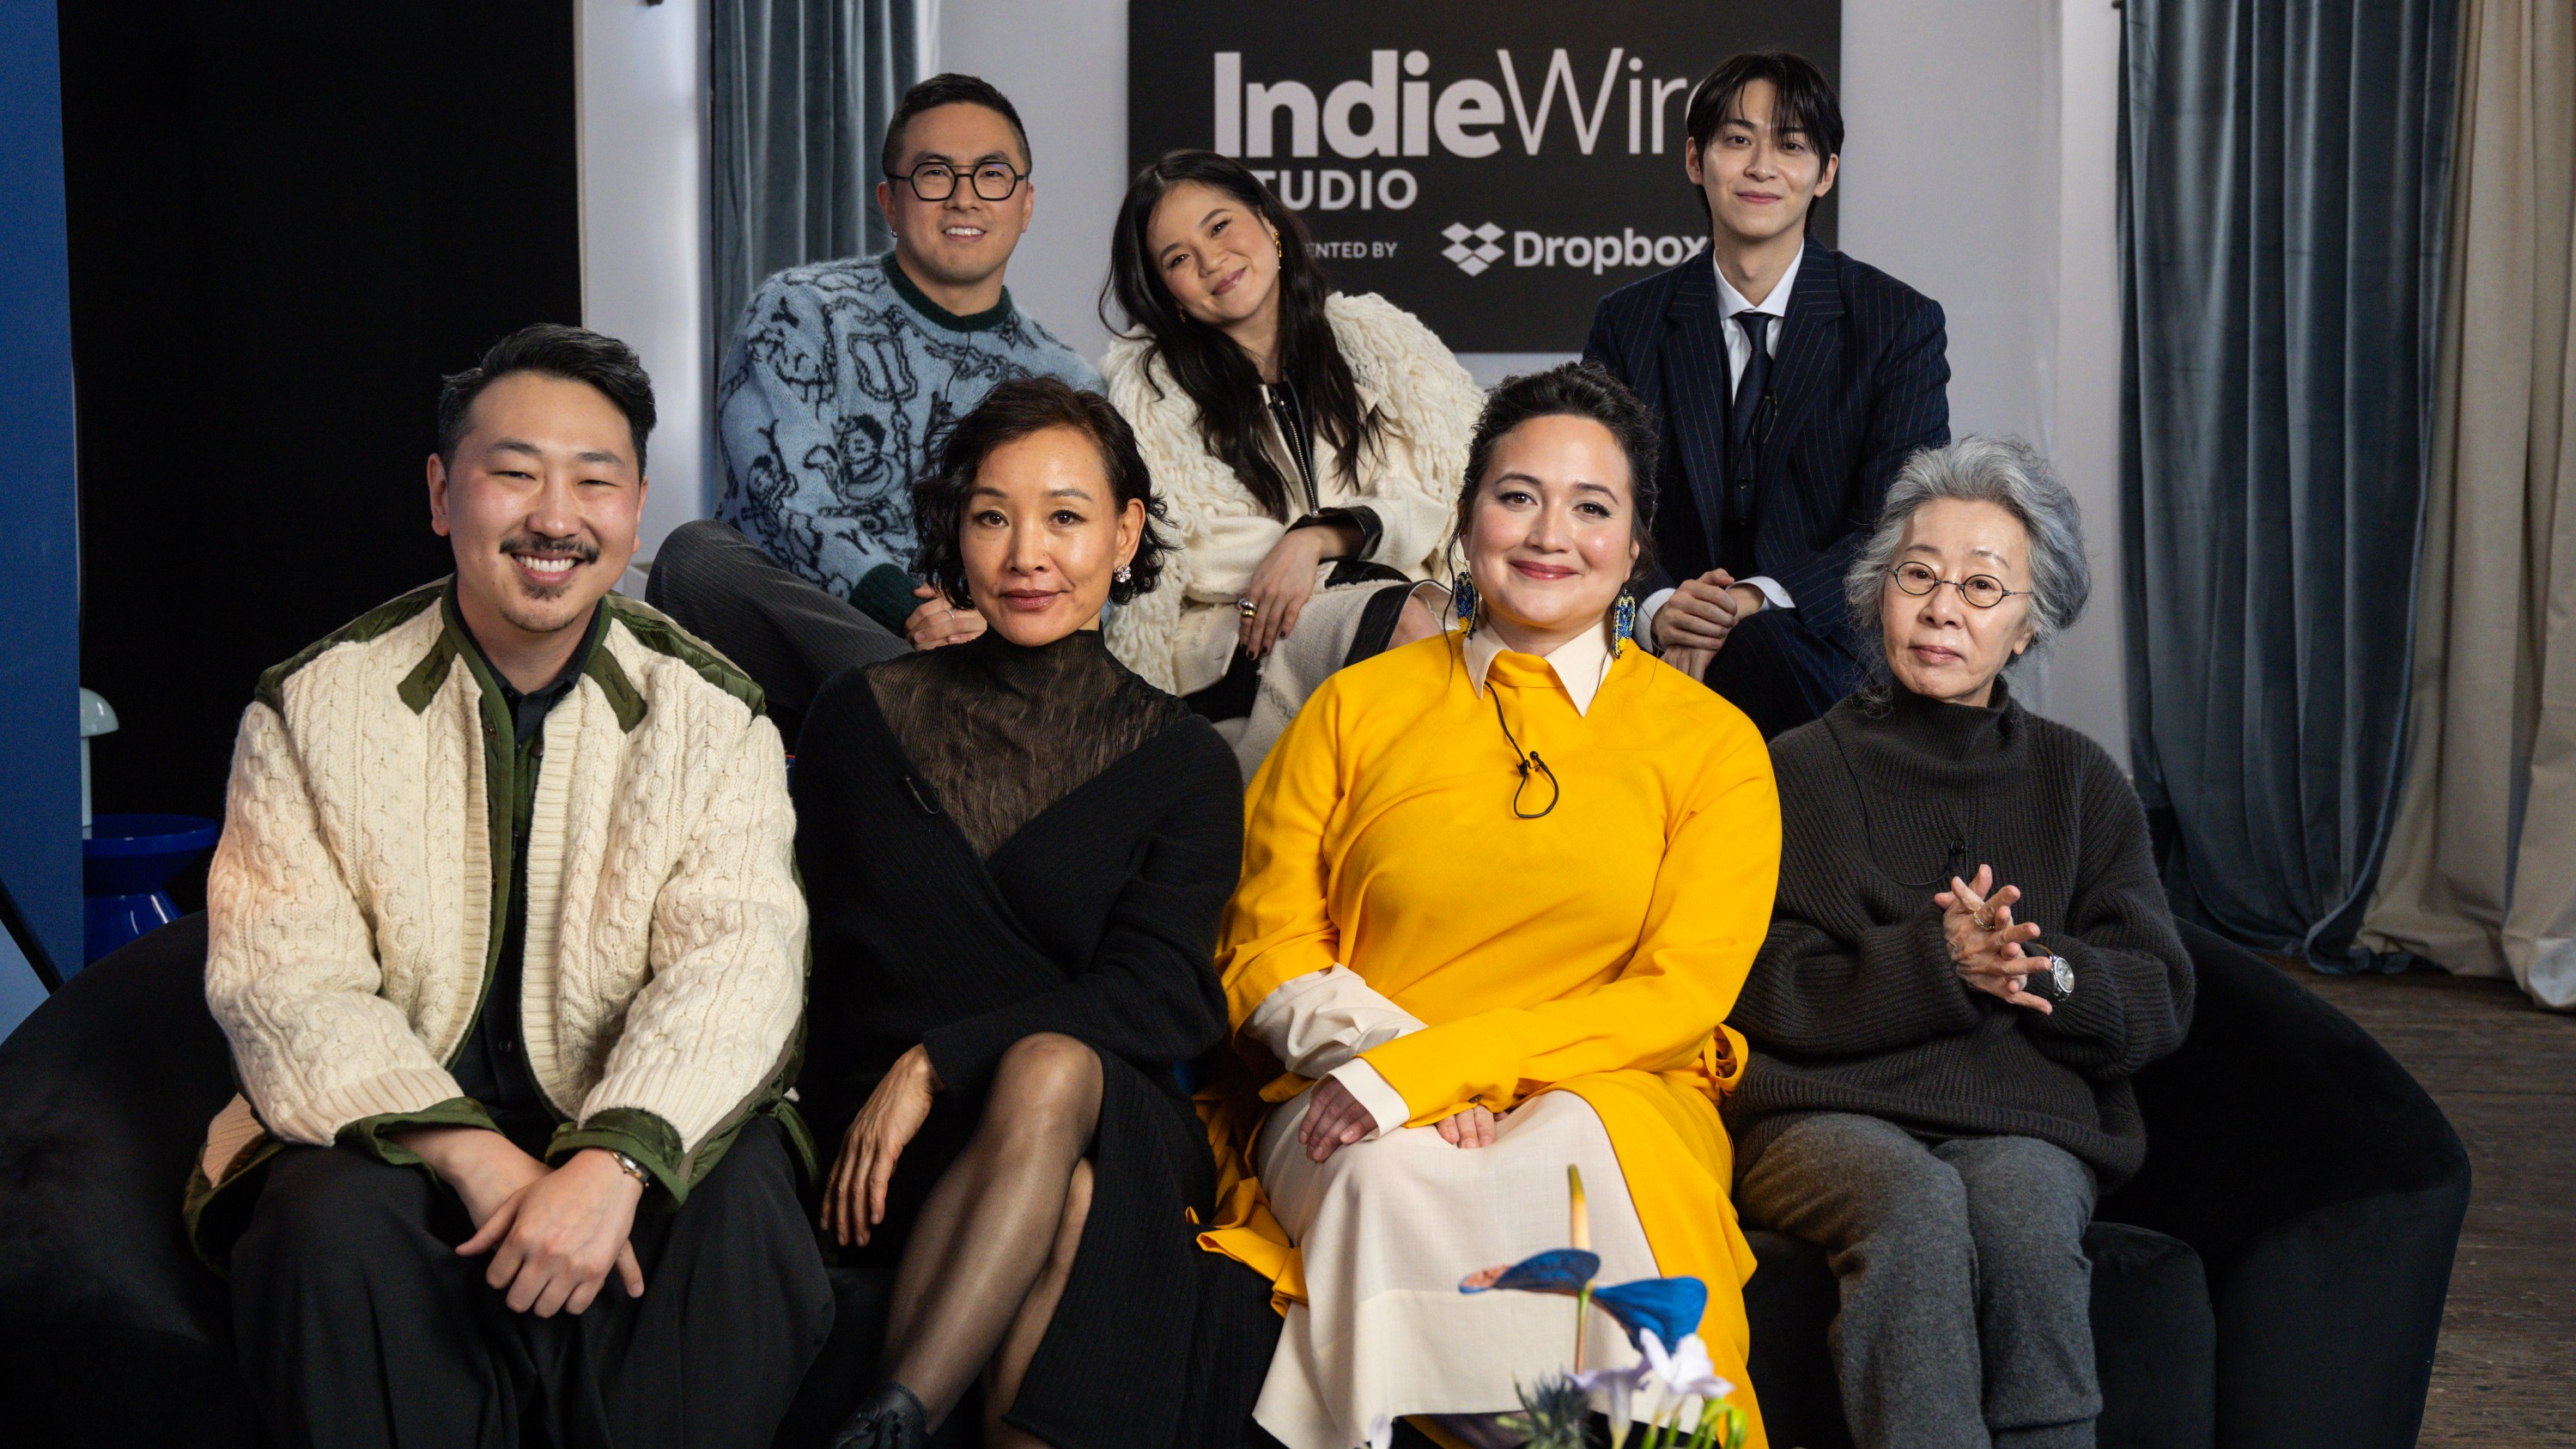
{"points": [[842, 380]]}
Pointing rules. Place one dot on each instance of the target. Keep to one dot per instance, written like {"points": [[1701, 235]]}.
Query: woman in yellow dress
{"points": [[1500, 890]]}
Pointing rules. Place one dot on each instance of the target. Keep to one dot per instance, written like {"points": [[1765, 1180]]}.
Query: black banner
{"points": [[1494, 168]]}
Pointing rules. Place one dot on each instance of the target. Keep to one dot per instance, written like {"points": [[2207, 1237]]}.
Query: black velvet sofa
{"points": [[2273, 1279]]}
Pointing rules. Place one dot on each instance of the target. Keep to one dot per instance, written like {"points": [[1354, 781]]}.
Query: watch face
{"points": [[2061, 975]]}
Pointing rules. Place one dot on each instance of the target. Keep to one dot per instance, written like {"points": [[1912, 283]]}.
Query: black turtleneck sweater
{"points": [[997, 841], [1854, 1005]]}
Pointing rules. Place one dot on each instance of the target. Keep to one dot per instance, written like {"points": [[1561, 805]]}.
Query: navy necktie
{"points": [[1749, 393]]}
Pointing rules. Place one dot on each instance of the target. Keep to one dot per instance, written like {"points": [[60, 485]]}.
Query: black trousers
{"points": [[359, 1325], [1780, 673], [776, 626]]}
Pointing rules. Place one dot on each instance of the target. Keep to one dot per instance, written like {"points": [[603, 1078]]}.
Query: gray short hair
{"points": [[2003, 471]]}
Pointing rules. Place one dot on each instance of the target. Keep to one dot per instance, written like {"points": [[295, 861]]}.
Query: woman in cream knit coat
{"points": [[1309, 445]]}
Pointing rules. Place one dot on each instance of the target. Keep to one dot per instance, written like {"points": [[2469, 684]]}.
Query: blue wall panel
{"points": [[39, 512]]}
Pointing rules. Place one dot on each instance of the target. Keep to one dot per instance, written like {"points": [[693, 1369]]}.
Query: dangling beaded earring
{"points": [[1623, 625], [1463, 601]]}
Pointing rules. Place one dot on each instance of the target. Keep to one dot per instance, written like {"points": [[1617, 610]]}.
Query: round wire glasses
{"points": [[1984, 591]]}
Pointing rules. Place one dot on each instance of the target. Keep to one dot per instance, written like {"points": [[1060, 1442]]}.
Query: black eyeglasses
{"points": [[1982, 590], [937, 181]]}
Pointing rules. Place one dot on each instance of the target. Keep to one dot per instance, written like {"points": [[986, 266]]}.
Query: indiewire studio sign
{"points": [[1493, 168]]}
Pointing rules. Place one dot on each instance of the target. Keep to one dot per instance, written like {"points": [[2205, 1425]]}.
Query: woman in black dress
{"points": [[1016, 853]]}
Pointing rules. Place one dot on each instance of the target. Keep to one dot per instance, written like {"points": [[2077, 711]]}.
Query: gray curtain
{"points": [[2284, 168], [799, 95], [2481, 873]]}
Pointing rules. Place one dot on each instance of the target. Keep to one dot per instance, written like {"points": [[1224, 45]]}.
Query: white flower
{"points": [[1622, 1385], [1687, 1370]]}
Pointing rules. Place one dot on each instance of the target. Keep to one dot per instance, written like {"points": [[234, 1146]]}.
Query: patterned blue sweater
{"points": [[842, 382]]}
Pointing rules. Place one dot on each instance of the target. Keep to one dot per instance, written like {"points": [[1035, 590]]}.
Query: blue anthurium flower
{"points": [[1670, 1308], [1558, 1270]]}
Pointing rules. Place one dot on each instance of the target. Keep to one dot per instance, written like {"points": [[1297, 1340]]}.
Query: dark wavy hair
{"points": [[1571, 390], [1011, 411], [1207, 364]]}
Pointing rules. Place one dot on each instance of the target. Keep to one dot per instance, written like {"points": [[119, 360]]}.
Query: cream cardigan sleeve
{"points": [[712, 1029], [291, 968]]}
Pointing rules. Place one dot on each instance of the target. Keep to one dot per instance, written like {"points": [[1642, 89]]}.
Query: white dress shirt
{"points": [[1739, 351]]}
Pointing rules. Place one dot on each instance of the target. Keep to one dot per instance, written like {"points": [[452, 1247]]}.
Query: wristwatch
{"points": [[631, 1168], [2059, 976]]}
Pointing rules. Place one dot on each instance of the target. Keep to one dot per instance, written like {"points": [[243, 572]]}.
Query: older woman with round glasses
{"points": [[1969, 958]]}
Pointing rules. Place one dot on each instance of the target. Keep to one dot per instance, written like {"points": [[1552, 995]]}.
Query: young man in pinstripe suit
{"points": [[1790, 383]]}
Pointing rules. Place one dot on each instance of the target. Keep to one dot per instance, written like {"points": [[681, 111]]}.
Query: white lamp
{"points": [[97, 717]]}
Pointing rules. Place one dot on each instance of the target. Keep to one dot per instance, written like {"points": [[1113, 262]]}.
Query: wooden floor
{"points": [[2505, 1074]]}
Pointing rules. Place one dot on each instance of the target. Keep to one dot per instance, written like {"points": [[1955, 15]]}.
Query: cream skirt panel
{"points": [[1388, 1227]]}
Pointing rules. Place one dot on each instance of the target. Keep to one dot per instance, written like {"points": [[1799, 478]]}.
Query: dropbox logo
{"points": [[1473, 259]]}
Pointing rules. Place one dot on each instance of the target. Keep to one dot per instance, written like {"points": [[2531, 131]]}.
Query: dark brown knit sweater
{"points": [[1853, 1004]]}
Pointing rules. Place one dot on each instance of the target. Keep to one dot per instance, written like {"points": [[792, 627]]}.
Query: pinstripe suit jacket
{"points": [[1860, 381]]}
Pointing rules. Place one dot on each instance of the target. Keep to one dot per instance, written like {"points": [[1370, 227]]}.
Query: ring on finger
{"points": [[1246, 607]]}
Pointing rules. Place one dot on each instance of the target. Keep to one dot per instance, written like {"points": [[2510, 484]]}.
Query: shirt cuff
{"points": [[1646, 620], [1316, 1022], [1777, 596], [1385, 1105]]}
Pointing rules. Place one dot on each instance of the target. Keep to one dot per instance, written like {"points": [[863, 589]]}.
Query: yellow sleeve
{"points": [[1706, 919], [1279, 926]]}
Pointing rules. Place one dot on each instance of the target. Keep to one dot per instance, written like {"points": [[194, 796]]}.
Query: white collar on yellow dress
{"points": [[1581, 663]]}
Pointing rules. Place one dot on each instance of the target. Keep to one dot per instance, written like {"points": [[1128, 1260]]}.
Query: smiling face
{"points": [[1552, 539], [540, 504], [1758, 181], [1938, 644], [1043, 535], [965, 240], [1217, 255]]}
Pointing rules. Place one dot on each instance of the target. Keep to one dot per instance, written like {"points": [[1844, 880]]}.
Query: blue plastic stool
{"points": [[124, 865]]}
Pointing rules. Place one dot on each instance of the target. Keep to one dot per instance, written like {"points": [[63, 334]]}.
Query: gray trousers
{"points": [[1966, 1296], [783, 631]]}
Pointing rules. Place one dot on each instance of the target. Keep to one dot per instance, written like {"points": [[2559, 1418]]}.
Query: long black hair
{"points": [[1210, 368]]}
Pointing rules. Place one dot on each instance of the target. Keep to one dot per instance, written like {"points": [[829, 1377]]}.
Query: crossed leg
{"points": [[995, 1240]]}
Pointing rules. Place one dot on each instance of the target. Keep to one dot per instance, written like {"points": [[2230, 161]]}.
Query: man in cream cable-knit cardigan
{"points": [[505, 934]]}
